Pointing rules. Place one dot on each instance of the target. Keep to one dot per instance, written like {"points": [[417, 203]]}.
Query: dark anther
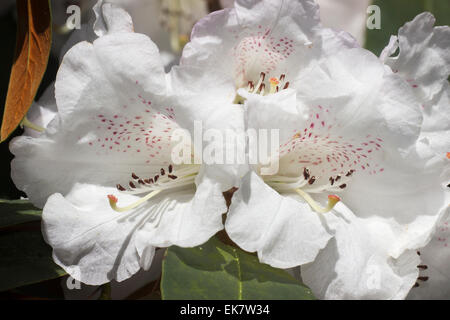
{"points": [[331, 180], [418, 253], [134, 176], [312, 180], [132, 185], [423, 278], [423, 267], [263, 75], [282, 77], [148, 181], [261, 87], [416, 285], [338, 178], [171, 176], [448, 186], [156, 178], [163, 172], [350, 173], [140, 181], [170, 168], [306, 174], [286, 85], [120, 188], [342, 186]]}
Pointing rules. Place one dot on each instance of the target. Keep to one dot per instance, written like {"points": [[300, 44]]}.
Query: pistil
{"points": [[113, 201], [332, 201]]}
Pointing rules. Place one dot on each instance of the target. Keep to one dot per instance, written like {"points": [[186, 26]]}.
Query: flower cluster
{"points": [[363, 171]]}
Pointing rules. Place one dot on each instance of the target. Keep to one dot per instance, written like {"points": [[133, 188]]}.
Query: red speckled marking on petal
{"points": [[328, 154]]}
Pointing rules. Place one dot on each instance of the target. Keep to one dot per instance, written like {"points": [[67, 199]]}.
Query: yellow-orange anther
{"points": [[274, 81]]}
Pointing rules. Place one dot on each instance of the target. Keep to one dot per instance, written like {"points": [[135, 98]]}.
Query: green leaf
{"points": [[217, 271], [14, 212], [394, 14], [25, 259]]}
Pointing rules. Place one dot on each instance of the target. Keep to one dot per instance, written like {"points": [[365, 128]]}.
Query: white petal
{"points": [[424, 58], [253, 36], [90, 241], [42, 112], [203, 102], [91, 71], [356, 264], [187, 219], [436, 257], [284, 231], [101, 244], [436, 125], [390, 49], [110, 19], [410, 194], [119, 290], [347, 15]]}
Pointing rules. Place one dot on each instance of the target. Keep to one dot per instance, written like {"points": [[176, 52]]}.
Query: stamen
{"points": [[423, 278], [134, 176], [422, 266], [120, 188], [171, 176], [132, 185], [274, 82], [113, 201], [312, 180], [261, 89], [350, 173], [262, 76], [27, 123], [286, 85], [170, 168], [332, 201], [163, 172], [306, 174], [250, 86]]}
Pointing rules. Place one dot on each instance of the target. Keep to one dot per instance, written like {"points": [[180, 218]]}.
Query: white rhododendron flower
{"points": [[346, 15], [167, 22], [349, 130], [423, 62], [112, 139]]}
